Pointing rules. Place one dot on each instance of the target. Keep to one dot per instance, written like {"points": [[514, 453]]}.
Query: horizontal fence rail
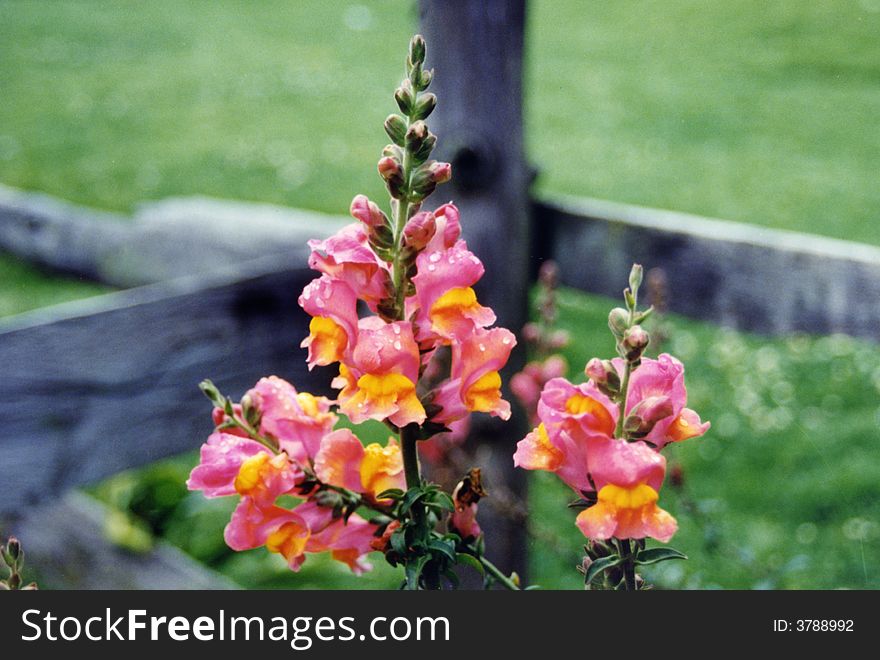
{"points": [[738, 275], [108, 383]]}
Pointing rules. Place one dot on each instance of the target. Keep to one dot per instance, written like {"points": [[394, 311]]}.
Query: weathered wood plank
{"points": [[476, 48], [164, 240], [738, 275], [66, 544], [100, 385]]}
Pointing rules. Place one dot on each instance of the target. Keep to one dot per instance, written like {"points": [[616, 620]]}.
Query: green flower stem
{"points": [[408, 447], [628, 564], [624, 389], [499, 576]]}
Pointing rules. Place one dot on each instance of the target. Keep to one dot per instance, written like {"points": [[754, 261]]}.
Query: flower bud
{"points": [[405, 97], [419, 230], [251, 404], [440, 172], [417, 49], [415, 135], [618, 321], [424, 106], [388, 168], [595, 371], [604, 375], [635, 278], [13, 550], [635, 341], [395, 126], [367, 212]]}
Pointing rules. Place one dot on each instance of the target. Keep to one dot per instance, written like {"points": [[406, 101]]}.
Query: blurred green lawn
{"points": [[752, 111], [746, 110]]}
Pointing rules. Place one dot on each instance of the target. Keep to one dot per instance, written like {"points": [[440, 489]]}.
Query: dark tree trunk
{"points": [[476, 49]]}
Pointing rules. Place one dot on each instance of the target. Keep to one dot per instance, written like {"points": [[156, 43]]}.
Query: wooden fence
{"points": [[100, 385]]}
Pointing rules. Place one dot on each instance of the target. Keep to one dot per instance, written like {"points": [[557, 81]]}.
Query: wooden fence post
{"points": [[476, 48]]}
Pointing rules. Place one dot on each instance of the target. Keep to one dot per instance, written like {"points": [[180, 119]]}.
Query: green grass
{"points": [[782, 491], [23, 287], [763, 112]]}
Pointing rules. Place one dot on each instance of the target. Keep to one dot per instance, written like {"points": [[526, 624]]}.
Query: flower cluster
{"points": [[603, 437], [281, 442], [394, 299]]}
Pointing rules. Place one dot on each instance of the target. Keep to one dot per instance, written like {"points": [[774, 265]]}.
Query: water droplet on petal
{"points": [[396, 329], [397, 345], [432, 267], [482, 347], [506, 341], [435, 257]]}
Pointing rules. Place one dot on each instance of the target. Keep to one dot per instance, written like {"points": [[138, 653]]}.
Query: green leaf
{"points": [[441, 501], [390, 494], [412, 496], [414, 570], [443, 548], [656, 555], [398, 542], [600, 565], [465, 559], [533, 587]]}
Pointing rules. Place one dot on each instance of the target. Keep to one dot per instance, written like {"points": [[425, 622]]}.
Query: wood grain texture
{"points": [[105, 384], [476, 49], [741, 276]]}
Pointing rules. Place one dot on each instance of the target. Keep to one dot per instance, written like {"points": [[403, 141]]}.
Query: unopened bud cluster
{"points": [[12, 559]]}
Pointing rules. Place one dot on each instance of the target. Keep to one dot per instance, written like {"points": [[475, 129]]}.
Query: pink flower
{"points": [[528, 384], [280, 530], [448, 306], [447, 219], [367, 212], [333, 328], [298, 420], [659, 385], [347, 256], [628, 476], [344, 462], [379, 382], [582, 410], [347, 541], [475, 384], [464, 521], [220, 461]]}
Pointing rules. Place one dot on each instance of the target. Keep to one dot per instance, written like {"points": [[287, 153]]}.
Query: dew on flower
{"points": [[434, 258], [482, 347], [432, 267], [398, 346], [506, 341]]}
